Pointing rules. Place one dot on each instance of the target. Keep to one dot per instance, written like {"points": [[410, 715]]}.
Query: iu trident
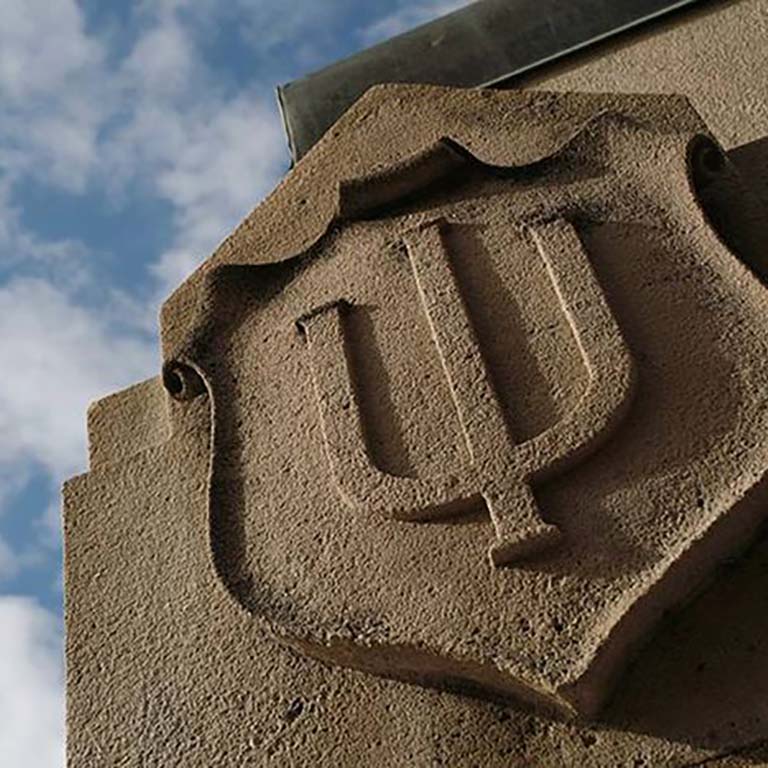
{"points": [[499, 471]]}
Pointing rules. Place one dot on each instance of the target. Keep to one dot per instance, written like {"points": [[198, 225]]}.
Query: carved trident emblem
{"points": [[499, 471]]}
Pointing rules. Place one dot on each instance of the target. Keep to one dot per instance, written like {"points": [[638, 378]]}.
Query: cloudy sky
{"points": [[134, 135]]}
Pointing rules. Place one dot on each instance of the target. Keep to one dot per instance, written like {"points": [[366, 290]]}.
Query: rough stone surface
{"points": [[470, 329], [714, 55], [469, 404]]}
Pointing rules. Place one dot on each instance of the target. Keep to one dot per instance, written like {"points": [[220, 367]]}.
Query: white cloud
{"points": [[9, 561], [61, 357], [42, 42], [172, 268], [31, 555], [61, 260], [211, 155], [223, 168], [407, 17], [31, 686], [53, 99], [163, 60], [157, 120], [224, 165]]}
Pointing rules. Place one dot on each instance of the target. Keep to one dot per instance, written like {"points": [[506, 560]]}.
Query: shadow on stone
{"points": [[703, 680], [745, 220]]}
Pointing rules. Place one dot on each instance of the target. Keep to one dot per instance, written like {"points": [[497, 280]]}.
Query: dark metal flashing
{"points": [[482, 45]]}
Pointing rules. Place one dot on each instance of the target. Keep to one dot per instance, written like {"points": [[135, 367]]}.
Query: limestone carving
{"points": [[516, 307], [498, 470], [523, 280]]}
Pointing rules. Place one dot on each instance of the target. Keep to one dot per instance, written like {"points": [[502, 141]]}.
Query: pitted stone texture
{"points": [[711, 53], [164, 670], [508, 262], [143, 417]]}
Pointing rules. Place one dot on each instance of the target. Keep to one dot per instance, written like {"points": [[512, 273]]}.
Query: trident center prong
{"points": [[499, 470], [520, 532]]}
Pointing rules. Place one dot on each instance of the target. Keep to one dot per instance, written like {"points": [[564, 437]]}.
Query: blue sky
{"points": [[134, 136]]}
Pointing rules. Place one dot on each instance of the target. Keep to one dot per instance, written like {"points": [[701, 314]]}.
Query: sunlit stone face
{"points": [[491, 422], [469, 402]]}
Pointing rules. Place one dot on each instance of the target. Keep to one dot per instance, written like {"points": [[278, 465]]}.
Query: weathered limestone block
{"points": [[469, 402]]}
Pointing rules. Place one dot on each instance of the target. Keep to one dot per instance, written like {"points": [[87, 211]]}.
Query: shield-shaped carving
{"points": [[486, 388]]}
